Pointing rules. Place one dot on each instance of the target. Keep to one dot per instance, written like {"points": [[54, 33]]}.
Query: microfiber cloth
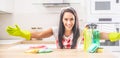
{"points": [[48, 50], [35, 50], [39, 49]]}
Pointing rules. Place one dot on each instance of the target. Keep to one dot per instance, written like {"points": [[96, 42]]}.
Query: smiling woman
{"points": [[66, 34]]}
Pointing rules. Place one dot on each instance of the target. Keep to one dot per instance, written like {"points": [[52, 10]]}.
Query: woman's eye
{"points": [[66, 19], [71, 19]]}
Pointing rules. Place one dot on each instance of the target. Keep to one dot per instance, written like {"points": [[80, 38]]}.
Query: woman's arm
{"points": [[112, 36], [42, 34], [104, 36], [17, 31]]}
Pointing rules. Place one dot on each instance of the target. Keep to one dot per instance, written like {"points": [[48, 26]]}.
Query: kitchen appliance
{"points": [[105, 6]]}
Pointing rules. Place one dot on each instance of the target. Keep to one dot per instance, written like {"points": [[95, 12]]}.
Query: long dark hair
{"points": [[75, 29]]}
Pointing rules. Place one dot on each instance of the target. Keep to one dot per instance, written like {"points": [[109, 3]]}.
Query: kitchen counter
{"points": [[115, 50], [8, 43], [18, 51], [4, 44], [57, 53]]}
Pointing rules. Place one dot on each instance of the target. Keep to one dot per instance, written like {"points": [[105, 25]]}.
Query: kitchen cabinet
{"points": [[6, 6]]}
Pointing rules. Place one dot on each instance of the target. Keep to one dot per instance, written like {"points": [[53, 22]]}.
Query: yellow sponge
{"points": [[99, 50]]}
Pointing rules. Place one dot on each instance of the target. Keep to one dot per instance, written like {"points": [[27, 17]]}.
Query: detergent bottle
{"points": [[87, 34], [95, 39], [96, 36], [91, 38]]}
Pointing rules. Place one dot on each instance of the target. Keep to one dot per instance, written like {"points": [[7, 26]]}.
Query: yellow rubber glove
{"points": [[114, 36], [16, 31]]}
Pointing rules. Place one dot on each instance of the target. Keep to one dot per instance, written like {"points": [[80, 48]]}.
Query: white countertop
{"points": [[9, 41], [115, 50], [26, 46]]}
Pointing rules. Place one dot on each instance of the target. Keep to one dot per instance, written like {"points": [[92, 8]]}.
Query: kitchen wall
{"points": [[31, 13]]}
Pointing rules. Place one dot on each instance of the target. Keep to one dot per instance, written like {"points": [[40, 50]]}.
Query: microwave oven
{"points": [[105, 6]]}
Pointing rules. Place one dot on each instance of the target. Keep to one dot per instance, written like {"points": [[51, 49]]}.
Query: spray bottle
{"points": [[91, 38]]}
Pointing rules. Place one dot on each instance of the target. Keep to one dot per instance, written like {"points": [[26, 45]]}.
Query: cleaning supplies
{"points": [[93, 48], [87, 34], [95, 41], [114, 36], [91, 38], [16, 31], [47, 50], [38, 49]]}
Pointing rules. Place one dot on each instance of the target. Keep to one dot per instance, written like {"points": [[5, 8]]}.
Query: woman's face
{"points": [[68, 21]]}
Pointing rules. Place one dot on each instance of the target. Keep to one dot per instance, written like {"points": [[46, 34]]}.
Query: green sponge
{"points": [[93, 48]]}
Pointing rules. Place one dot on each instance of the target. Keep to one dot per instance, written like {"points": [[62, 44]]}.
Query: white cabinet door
{"points": [[6, 6]]}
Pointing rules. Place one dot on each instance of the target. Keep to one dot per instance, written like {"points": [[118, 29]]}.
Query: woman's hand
{"points": [[16, 31]]}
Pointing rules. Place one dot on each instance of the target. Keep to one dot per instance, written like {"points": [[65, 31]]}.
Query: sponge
{"points": [[93, 48]]}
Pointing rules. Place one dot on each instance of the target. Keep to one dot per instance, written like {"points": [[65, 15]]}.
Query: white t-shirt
{"points": [[55, 32]]}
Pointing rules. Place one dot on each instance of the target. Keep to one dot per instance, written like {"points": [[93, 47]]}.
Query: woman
{"points": [[66, 34]]}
